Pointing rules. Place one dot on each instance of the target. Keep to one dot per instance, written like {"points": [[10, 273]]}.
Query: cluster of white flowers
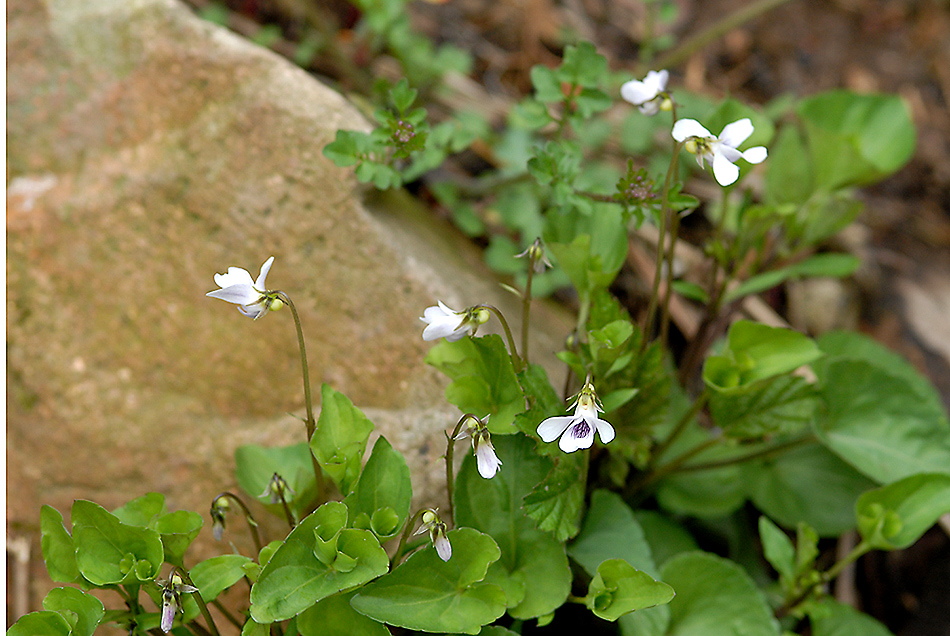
{"points": [[722, 152]]}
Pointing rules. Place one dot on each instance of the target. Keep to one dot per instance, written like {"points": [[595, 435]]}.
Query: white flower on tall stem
{"points": [[251, 296], [722, 151], [445, 322], [649, 94], [437, 533], [577, 431], [485, 457]]}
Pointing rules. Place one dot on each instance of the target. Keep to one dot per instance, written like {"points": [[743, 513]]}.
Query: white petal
{"points": [[446, 309], [660, 78], [731, 154], [756, 154], [726, 173], [637, 92], [262, 277], [488, 463], [457, 335], [571, 442], [439, 329], [443, 547], [650, 108], [683, 129], [234, 276], [243, 294], [737, 132], [551, 428], [606, 431], [252, 311], [168, 617]]}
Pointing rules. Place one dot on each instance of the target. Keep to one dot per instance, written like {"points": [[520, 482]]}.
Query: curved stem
{"points": [[763, 452], [397, 556], [310, 422], [287, 513], [201, 602], [251, 522], [516, 360], [450, 460]]}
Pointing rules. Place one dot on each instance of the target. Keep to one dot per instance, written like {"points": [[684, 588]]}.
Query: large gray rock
{"points": [[148, 150]]}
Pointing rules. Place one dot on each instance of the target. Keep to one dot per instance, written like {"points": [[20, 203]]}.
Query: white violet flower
{"points": [[251, 297], [722, 151], [171, 600], [577, 431], [437, 533], [648, 95], [445, 322], [485, 457]]}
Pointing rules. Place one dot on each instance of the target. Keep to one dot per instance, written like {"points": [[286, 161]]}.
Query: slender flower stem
{"points": [[397, 556], [826, 577], [761, 453], [516, 360], [526, 310], [287, 513], [660, 249], [310, 422], [449, 461], [227, 615], [251, 522], [201, 602], [681, 425], [681, 53]]}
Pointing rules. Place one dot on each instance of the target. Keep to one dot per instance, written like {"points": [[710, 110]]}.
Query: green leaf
{"points": [[344, 150], [557, 502], [213, 576], [431, 595], [755, 352], [780, 405], [789, 176], [818, 265], [59, 550], [483, 379], [44, 623], [618, 588], [611, 531], [529, 557], [340, 438], [295, 578], [665, 537], [856, 139], [831, 618], [402, 95], [384, 484], [778, 548], [178, 529], [142, 511], [333, 616], [87, 609], [856, 346], [878, 423], [715, 597], [893, 517], [109, 551], [256, 466], [547, 86], [582, 65], [786, 487]]}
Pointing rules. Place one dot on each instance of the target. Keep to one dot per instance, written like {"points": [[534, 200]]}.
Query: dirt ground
{"points": [[902, 295]]}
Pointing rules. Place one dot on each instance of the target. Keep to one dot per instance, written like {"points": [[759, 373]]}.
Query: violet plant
{"points": [[821, 436]]}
